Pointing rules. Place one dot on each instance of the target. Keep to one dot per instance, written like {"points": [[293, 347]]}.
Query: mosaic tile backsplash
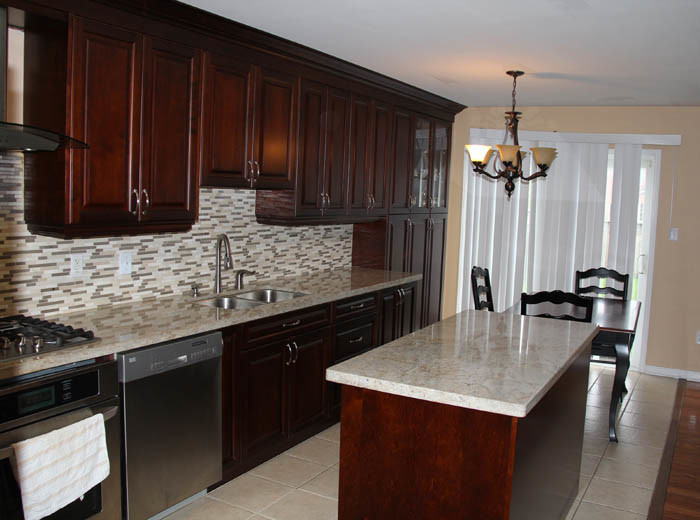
{"points": [[35, 274]]}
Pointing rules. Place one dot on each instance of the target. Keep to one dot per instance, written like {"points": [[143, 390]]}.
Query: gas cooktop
{"points": [[23, 336]]}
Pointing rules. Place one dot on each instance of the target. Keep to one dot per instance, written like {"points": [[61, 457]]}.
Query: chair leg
{"points": [[622, 364]]}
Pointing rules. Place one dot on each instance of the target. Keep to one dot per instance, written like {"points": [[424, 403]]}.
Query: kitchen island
{"points": [[480, 415]]}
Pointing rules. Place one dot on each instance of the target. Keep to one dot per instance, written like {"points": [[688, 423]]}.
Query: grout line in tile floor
{"points": [[592, 501]]}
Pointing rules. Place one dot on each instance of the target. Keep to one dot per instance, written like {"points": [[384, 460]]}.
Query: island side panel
{"points": [[549, 447], [407, 458]]}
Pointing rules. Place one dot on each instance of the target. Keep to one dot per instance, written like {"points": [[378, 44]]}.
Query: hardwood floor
{"points": [[683, 492]]}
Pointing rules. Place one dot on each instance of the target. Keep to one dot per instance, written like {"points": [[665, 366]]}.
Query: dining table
{"points": [[617, 320]]}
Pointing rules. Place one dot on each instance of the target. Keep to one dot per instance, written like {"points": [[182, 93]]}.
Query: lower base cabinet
{"points": [[274, 387]]}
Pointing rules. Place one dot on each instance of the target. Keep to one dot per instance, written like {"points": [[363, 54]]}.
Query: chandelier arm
{"points": [[481, 170], [541, 173]]}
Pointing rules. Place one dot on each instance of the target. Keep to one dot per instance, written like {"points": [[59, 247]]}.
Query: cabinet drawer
{"points": [[354, 337], [290, 323], [356, 306]]}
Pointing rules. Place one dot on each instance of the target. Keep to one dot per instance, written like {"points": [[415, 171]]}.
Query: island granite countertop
{"points": [[132, 325], [487, 361]]}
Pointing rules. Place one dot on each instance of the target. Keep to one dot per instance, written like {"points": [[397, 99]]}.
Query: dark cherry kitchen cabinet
{"points": [[400, 173], [380, 157], [397, 313], [170, 132], [307, 378], [230, 435], [249, 131], [136, 101], [434, 271]]}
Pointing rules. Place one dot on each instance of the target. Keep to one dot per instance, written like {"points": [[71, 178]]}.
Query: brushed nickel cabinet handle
{"points": [[296, 351], [135, 211], [291, 324], [147, 203], [257, 170], [356, 340], [357, 306], [248, 171], [289, 350]]}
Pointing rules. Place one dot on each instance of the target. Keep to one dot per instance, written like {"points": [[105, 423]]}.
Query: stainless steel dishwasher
{"points": [[171, 420]]}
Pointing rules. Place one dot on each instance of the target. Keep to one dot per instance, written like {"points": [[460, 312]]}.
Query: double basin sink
{"points": [[250, 299]]}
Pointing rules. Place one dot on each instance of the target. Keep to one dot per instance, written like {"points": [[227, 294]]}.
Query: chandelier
{"points": [[510, 156]]}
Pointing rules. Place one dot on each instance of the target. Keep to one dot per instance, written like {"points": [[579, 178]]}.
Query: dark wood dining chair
{"points": [[482, 288], [604, 344], [574, 307], [601, 273]]}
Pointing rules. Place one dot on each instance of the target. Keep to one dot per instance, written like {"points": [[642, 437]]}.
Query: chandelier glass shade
{"points": [[510, 158]]}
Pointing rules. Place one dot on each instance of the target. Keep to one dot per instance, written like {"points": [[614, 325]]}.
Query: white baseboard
{"points": [[676, 373]]}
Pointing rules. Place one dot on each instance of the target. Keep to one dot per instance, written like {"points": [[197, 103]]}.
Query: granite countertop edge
{"points": [[128, 326]]}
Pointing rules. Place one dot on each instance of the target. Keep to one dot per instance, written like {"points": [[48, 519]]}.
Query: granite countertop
{"points": [[128, 326], [493, 362]]}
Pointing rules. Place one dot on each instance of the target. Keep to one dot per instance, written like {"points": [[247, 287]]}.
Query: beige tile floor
{"points": [[616, 479]]}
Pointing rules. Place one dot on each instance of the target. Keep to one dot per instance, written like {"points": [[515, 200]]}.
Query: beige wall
{"points": [[675, 305]]}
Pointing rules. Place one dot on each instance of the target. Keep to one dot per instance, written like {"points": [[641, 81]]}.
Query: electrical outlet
{"points": [[673, 235], [76, 265], [697, 337], [125, 262]]}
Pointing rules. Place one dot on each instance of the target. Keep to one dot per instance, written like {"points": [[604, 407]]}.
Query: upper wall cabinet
{"points": [[135, 100], [419, 168], [249, 131]]}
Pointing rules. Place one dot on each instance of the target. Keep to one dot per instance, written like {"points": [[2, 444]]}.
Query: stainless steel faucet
{"points": [[227, 260]]}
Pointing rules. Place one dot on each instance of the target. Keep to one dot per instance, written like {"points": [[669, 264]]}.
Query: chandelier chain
{"points": [[515, 79]]}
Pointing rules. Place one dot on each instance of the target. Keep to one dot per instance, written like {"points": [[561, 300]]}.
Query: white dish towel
{"points": [[56, 468]]}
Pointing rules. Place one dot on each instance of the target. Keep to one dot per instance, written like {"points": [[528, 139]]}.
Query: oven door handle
{"points": [[108, 412]]}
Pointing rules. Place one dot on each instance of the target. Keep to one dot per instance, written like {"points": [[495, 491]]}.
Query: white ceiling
{"points": [[574, 52]]}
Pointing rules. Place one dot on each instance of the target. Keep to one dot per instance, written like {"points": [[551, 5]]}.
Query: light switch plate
{"points": [[673, 235], [125, 262], [76, 265]]}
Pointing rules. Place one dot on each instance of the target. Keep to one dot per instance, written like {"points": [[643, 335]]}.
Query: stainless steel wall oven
{"points": [[54, 399]]}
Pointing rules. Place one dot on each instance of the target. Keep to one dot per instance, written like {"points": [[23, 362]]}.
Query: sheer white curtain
{"points": [[549, 228], [567, 216], [624, 207]]}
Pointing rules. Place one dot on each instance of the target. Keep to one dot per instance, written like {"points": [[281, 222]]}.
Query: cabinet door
{"points": [[169, 181], [407, 309], [226, 121], [106, 107], [439, 165], [435, 270], [312, 124], [263, 385], [402, 151], [380, 155], [398, 243], [420, 179], [307, 396], [230, 445], [337, 132], [388, 303], [359, 159], [418, 260], [275, 120]]}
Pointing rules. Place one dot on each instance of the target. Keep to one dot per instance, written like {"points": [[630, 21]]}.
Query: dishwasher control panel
{"points": [[147, 361]]}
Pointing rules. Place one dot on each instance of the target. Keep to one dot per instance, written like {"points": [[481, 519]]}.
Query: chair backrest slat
{"points": [[603, 273], [479, 289], [558, 298]]}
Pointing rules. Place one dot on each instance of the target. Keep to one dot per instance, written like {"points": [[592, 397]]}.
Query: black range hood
{"points": [[24, 138]]}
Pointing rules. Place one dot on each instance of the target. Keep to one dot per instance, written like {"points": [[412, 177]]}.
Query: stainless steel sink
{"points": [[229, 302], [268, 295]]}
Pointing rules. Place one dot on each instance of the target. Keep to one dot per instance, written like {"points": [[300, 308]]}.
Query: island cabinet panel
{"points": [[396, 462], [136, 101]]}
